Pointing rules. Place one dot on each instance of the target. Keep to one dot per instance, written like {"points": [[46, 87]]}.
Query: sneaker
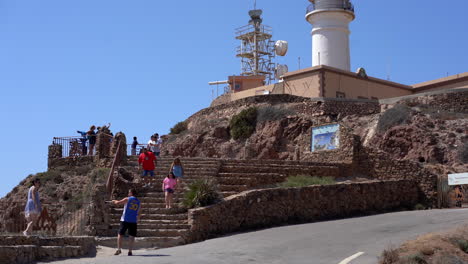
{"points": [[130, 253], [118, 252]]}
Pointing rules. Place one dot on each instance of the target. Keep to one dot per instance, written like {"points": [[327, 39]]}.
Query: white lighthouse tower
{"points": [[330, 34]]}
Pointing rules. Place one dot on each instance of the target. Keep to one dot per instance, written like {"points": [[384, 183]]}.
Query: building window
{"points": [[340, 95], [237, 86], [362, 97]]}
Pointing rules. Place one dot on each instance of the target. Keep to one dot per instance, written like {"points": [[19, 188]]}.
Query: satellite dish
{"points": [[281, 47], [281, 70]]}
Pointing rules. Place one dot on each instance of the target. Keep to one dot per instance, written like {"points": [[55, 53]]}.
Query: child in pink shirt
{"points": [[168, 187]]}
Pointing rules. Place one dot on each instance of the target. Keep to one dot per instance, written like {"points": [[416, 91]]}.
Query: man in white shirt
{"points": [[158, 145], [152, 145]]}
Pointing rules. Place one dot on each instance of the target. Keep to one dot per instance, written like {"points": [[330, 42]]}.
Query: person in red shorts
{"points": [[147, 162]]}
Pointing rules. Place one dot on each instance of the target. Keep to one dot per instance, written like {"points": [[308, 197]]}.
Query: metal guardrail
{"points": [[72, 146], [340, 4], [138, 150], [70, 219]]}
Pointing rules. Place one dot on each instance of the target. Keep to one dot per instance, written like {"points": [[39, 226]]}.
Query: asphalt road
{"points": [[317, 243]]}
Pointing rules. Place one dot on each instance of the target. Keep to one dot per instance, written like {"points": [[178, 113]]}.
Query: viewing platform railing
{"points": [[345, 5], [72, 146]]}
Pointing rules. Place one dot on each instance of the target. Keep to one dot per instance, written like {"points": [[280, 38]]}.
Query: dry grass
{"points": [[389, 256], [435, 248]]}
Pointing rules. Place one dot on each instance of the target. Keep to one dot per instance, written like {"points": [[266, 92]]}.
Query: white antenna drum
{"points": [[281, 70], [281, 47]]}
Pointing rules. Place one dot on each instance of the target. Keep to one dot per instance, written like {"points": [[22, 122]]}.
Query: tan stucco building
{"points": [[328, 82]]}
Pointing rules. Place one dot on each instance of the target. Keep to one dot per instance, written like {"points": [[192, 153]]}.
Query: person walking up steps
{"points": [[128, 221], [168, 187], [178, 170], [33, 208]]}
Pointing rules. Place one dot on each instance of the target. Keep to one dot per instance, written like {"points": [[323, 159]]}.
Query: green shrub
{"points": [[447, 259], [393, 117], [201, 193], [179, 128], [419, 207], [462, 244], [417, 258], [305, 180], [272, 113], [243, 124]]}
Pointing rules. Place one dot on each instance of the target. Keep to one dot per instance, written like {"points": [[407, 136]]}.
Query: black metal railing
{"points": [[72, 146], [338, 4], [138, 150]]}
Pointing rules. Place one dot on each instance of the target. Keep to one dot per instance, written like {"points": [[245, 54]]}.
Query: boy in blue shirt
{"points": [[129, 220]]}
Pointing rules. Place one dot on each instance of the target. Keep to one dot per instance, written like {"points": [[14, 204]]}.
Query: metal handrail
{"points": [[345, 6]]}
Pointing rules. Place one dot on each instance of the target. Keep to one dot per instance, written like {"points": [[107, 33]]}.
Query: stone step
{"points": [[145, 225], [233, 188], [49, 241], [146, 211], [55, 252], [275, 162], [157, 193], [227, 194], [158, 232], [159, 200], [117, 216], [329, 171], [19, 254], [234, 180], [143, 242]]}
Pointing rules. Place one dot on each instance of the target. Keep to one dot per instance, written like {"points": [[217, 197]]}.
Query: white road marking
{"points": [[347, 260]]}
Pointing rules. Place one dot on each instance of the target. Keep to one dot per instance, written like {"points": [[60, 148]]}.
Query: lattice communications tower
{"points": [[257, 49], [330, 34]]}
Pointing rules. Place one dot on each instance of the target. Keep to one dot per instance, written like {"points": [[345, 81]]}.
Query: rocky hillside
{"points": [[430, 129]]}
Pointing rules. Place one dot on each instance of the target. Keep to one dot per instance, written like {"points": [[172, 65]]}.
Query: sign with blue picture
{"points": [[326, 137]]}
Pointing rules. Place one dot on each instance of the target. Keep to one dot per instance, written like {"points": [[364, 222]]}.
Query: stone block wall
{"points": [[25, 250], [453, 100], [377, 164], [270, 207]]}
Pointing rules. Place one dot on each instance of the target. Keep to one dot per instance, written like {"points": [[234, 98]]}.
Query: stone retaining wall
{"points": [[24, 250], [377, 164], [270, 207]]}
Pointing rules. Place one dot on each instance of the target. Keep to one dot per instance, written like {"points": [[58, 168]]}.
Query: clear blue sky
{"points": [[144, 65]]}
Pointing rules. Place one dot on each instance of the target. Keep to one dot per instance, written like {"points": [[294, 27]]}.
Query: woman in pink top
{"points": [[168, 187]]}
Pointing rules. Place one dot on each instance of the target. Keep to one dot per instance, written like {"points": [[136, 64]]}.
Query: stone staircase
{"points": [[239, 175], [160, 227], [22, 250]]}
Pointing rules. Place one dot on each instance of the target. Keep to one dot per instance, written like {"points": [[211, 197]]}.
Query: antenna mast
{"points": [[257, 49]]}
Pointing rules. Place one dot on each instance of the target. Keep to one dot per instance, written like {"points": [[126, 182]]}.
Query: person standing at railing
{"points": [[134, 146], [33, 208], [129, 220], [91, 135], [83, 139]]}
